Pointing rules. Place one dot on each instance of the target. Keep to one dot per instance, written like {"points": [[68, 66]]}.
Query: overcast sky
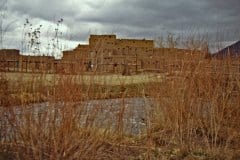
{"points": [[126, 18]]}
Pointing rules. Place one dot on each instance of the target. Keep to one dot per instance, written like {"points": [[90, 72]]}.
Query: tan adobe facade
{"points": [[106, 53], [103, 54], [9, 58]]}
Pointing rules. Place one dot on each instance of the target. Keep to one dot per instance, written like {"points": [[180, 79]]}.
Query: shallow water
{"points": [[127, 115]]}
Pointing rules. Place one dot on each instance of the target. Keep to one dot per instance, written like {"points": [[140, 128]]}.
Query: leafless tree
{"points": [[172, 40], [160, 42]]}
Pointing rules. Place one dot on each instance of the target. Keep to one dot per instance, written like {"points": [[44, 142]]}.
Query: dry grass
{"points": [[199, 111], [195, 116], [86, 79]]}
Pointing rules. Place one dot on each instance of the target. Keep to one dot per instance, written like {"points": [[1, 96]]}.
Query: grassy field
{"points": [[29, 88], [108, 79]]}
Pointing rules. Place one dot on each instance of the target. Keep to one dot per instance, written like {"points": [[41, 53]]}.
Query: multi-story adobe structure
{"points": [[103, 54], [106, 53]]}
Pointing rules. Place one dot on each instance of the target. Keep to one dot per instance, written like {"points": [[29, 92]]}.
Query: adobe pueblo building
{"points": [[103, 54], [107, 54]]}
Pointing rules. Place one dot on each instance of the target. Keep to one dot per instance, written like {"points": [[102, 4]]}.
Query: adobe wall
{"points": [[9, 54], [104, 54], [9, 59]]}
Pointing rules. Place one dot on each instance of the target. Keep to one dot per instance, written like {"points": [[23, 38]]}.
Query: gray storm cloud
{"points": [[135, 18]]}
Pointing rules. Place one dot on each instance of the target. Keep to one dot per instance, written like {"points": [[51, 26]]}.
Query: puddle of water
{"points": [[130, 114]]}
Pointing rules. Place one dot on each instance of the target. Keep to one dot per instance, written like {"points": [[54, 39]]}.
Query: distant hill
{"points": [[232, 51]]}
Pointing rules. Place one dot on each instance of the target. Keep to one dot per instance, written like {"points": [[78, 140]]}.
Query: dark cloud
{"points": [[159, 16], [135, 18], [43, 9]]}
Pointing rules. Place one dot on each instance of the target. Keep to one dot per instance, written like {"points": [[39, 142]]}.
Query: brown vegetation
{"points": [[194, 115]]}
